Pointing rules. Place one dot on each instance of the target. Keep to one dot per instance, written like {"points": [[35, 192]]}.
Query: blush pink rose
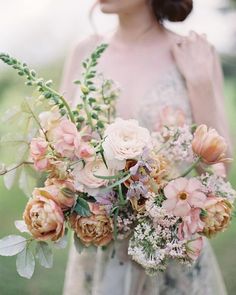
{"points": [[191, 224], [86, 151], [66, 139], [38, 151], [182, 195], [194, 248]]}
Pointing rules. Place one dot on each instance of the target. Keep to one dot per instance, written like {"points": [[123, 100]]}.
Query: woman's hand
{"points": [[195, 58], [199, 64]]}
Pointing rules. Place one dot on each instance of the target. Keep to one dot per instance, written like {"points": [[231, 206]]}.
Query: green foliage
{"points": [[25, 263], [12, 245], [82, 207], [42, 85], [44, 254]]}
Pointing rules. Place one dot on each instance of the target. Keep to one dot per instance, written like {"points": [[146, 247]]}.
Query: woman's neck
{"points": [[135, 25]]}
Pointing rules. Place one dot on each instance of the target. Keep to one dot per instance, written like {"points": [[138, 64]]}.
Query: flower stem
{"points": [[17, 166], [195, 163]]}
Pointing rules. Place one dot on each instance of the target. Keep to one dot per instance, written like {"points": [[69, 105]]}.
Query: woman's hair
{"points": [[172, 10]]}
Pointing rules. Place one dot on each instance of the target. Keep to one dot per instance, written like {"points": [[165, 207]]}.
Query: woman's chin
{"points": [[106, 8]]}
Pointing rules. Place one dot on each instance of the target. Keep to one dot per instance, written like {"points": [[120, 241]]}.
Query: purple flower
{"points": [[137, 189]]}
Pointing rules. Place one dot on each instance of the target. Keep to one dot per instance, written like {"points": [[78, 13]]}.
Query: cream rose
{"points": [[85, 176], [124, 139]]}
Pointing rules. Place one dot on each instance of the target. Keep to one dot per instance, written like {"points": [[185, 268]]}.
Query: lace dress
{"points": [[97, 273]]}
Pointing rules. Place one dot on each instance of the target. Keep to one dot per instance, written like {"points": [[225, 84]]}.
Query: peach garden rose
{"points": [[54, 188], [96, 229], [218, 215], [44, 218]]}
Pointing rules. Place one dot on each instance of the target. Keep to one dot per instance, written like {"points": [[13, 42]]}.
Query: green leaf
{"points": [[27, 180], [62, 243], [82, 208], [11, 114], [21, 226], [44, 254], [110, 177], [25, 263], [117, 183], [12, 245], [79, 246]]}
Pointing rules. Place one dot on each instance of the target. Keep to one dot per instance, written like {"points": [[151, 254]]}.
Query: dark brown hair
{"points": [[172, 10]]}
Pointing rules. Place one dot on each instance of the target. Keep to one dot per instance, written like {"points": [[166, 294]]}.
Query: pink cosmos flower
{"points": [[191, 224], [38, 150], [66, 138], [183, 194], [194, 248]]}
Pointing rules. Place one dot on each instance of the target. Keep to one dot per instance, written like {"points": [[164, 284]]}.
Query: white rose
{"points": [[85, 179], [124, 139]]}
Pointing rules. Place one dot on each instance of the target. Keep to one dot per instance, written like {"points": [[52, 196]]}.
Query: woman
{"points": [[161, 75]]}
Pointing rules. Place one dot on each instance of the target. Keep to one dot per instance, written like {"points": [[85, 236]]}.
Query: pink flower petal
{"points": [[169, 204], [180, 183], [193, 185], [197, 199], [170, 191], [182, 209]]}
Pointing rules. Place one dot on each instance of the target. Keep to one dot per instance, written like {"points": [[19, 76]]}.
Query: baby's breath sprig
{"points": [[88, 87], [43, 86]]}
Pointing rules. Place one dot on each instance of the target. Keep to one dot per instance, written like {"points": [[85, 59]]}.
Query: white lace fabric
{"points": [[98, 273]]}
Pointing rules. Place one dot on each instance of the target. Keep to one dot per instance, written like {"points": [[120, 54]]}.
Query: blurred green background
{"points": [[12, 202]]}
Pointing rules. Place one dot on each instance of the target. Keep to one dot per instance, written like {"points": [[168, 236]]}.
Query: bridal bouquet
{"points": [[108, 179]]}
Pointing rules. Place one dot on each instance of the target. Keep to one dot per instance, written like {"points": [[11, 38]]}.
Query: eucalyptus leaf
{"points": [[62, 243], [11, 114], [27, 180], [10, 177], [44, 254], [82, 207], [21, 226], [12, 245], [25, 263]]}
